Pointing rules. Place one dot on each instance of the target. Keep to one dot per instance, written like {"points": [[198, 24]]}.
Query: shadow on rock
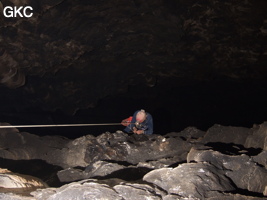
{"points": [[36, 168], [128, 174], [233, 149]]}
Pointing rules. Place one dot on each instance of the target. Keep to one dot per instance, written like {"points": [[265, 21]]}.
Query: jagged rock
{"points": [[258, 137], [137, 191], [244, 173], [97, 169], [190, 180], [10, 180], [226, 134], [160, 163], [261, 159], [229, 196], [190, 134], [86, 150], [22, 145], [118, 159], [138, 148], [176, 197], [10, 196], [102, 168], [78, 190], [70, 175]]}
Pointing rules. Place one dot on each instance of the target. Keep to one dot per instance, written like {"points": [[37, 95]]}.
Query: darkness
{"points": [[188, 63], [200, 104]]}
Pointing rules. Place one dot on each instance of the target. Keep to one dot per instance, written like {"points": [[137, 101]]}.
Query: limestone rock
{"points": [[12, 180], [242, 170], [78, 190], [196, 180], [136, 192], [261, 159], [258, 137], [10, 196], [226, 134], [97, 169], [137, 148]]}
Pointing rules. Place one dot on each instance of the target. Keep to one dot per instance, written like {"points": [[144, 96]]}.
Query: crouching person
{"points": [[140, 123]]}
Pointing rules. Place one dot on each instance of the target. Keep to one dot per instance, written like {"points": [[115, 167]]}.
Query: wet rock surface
{"points": [[190, 164]]}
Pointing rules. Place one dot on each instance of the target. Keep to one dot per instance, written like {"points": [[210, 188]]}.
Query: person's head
{"points": [[141, 116]]}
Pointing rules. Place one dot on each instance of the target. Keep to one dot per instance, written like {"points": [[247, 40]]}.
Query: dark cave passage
{"points": [[173, 108]]}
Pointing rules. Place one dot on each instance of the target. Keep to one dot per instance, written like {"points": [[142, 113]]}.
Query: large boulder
{"points": [[226, 134], [12, 180], [261, 159], [242, 170], [17, 145], [137, 191], [136, 148], [97, 169], [258, 137], [78, 190], [191, 180]]}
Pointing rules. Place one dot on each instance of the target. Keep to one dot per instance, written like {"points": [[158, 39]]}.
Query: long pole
{"points": [[57, 125]]}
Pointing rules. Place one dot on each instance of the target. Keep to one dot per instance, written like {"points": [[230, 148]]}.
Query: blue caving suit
{"points": [[146, 126]]}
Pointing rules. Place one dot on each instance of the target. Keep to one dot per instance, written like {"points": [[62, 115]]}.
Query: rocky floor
{"points": [[222, 163]]}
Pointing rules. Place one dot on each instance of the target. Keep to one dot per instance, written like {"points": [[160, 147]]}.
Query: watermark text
{"points": [[18, 11]]}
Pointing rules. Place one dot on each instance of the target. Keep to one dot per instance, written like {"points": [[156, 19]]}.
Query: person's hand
{"points": [[125, 123], [139, 132], [134, 129]]}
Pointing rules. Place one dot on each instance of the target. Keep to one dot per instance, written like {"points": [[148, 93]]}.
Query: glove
{"points": [[126, 122]]}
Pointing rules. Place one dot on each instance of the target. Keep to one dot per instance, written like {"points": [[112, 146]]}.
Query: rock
{"points": [[10, 196], [22, 145], [190, 180], [136, 192], [190, 134], [97, 169], [120, 163], [261, 159], [227, 196], [258, 137], [78, 190], [102, 168], [163, 162], [70, 175], [74, 152], [86, 150], [14, 180], [226, 134], [137, 148], [244, 173]]}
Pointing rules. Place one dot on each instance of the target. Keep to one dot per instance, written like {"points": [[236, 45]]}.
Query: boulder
{"points": [[11, 196], [12, 180], [22, 145], [137, 192], [261, 159], [191, 180], [258, 137], [97, 169], [137, 148], [226, 134], [242, 170], [78, 190]]}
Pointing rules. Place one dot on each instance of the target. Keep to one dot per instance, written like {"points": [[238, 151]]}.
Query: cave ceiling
{"points": [[72, 53]]}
